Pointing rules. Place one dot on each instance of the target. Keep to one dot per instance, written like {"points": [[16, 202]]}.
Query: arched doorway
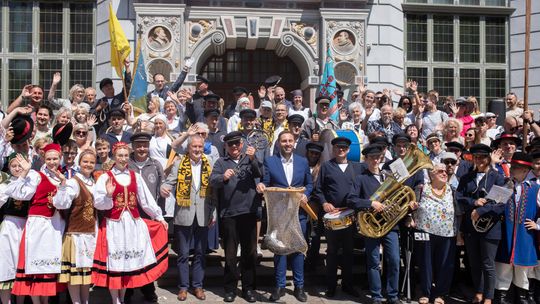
{"points": [[248, 69]]}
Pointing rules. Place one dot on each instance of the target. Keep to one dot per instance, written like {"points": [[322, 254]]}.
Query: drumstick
{"points": [[309, 211]]}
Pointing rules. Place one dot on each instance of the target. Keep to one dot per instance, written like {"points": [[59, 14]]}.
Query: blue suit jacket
{"points": [[274, 175]]}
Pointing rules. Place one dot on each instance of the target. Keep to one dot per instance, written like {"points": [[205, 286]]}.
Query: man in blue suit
{"points": [[288, 170]]}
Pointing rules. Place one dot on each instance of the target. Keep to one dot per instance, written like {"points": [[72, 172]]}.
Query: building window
{"points": [[417, 38], [465, 55], [50, 28], [45, 37], [20, 27], [20, 71]]}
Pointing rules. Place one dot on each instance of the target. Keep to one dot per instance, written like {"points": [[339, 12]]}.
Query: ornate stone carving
{"points": [[308, 32], [161, 36], [354, 27], [286, 41], [218, 41], [198, 29]]}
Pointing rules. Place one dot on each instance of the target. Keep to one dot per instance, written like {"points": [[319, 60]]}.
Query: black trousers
{"points": [[336, 239], [481, 253], [240, 229]]}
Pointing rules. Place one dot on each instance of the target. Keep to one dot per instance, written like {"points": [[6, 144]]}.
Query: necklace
{"points": [[438, 195]]}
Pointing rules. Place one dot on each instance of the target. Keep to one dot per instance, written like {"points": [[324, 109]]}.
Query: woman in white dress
{"points": [[39, 261], [130, 251], [160, 143], [79, 243], [15, 213]]}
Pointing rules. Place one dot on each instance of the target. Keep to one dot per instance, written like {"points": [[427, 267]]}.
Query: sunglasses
{"points": [[233, 143], [469, 134], [81, 133], [450, 162], [201, 133], [440, 171]]}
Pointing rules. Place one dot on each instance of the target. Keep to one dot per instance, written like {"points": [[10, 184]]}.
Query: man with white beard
{"points": [[385, 124]]}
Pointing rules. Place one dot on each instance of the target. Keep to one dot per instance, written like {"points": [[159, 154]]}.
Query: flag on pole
{"points": [[328, 85], [137, 94], [120, 48]]}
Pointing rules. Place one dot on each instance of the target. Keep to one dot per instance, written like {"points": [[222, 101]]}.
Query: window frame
{"points": [[457, 65], [35, 56]]}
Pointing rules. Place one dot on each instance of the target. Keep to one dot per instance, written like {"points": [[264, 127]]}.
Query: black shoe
{"points": [[249, 295], [277, 294], [330, 292], [350, 290], [300, 295], [229, 297], [521, 296], [501, 297], [376, 302], [394, 301]]}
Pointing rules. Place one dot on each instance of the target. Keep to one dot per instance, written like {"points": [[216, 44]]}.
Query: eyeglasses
{"points": [[441, 171], [233, 143], [201, 133], [514, 129], [81, 133], [450, 162]]}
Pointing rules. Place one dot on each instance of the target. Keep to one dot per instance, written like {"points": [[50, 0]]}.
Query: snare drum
{"points": [[338, 221]]}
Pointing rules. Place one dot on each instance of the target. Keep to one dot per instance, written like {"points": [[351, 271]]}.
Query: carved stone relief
{"points": [[198, 29], [309, 33]]}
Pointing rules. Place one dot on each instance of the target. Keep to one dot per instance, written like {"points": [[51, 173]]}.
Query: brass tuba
{"points": [[394, 195]]}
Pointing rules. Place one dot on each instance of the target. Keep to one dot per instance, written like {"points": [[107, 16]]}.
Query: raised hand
{"points": [[261, 92], [59, 176], [26, 91], [397, 92], [9, 134], [57, 77], [186, 93], [193, 130], [453, 107], [91, 120], [414, 86], [110, 186], [25, 165], [496, 156]]}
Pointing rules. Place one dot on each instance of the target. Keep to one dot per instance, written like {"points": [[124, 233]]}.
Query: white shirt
{"points": [[343, 167], [196, 174], [288, 168]]}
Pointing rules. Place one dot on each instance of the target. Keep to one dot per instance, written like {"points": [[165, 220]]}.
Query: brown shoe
{"points": [[182, 295], [199, 294]]}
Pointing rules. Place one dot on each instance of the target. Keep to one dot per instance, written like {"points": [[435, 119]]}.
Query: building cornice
{"points": [[457, 9]]}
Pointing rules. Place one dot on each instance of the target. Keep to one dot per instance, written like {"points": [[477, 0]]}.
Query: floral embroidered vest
{"points": [[124, 198], [82, 217], [15, 207], [42, 202]]}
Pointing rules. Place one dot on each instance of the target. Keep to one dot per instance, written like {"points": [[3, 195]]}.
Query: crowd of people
{"points": [[90, 188]]}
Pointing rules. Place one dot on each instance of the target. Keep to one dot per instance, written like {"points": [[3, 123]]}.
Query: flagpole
{"points": [[526, 76]]}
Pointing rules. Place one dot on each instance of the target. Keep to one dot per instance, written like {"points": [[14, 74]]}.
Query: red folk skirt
{"points": [[136, 278], [36, 284]]}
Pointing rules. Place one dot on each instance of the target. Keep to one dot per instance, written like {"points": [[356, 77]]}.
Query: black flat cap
{"points": [[104, 82], [372, 149], [239, 90], [272, 81], [522, 159], [248, 113], [296, 118], [506, 135], [455, 145], [140, 137], [117, 113], [212, 97], [341, 141], [202, 79], [297, 92], [401, 137], [233, 136], [315, 147], [480, 149], [535, 155], [381, 141], [212, 112], [322, 99]]}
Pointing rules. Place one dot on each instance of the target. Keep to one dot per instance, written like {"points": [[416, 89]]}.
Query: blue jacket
{"points": [[274, 175], [468, 192], [517, 245]]}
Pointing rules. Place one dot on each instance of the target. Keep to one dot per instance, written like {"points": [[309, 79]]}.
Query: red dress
{"points": [[125, 199], [37, 284]]}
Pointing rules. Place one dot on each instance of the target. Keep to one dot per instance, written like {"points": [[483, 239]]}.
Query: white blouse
{"points": [[66, 194], [144, 196]]}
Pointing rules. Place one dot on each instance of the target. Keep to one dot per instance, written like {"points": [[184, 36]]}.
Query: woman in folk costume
{"points": [[131, 251], [40, 251], [75, 195], [11, 229]]}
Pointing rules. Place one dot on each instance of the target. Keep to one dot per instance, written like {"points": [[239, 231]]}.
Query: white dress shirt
{"points": [[288, 168]]}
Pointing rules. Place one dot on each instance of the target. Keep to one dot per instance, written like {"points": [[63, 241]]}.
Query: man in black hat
{"points": [[462, 166], [365, 185], [210, 101], [314, 125], [295, 126], [110, 101], [333, 185], [195, 105], [313, 155], [152, 174], [238, 92], [508, 144], [116, 133], [234, 178], [215, 135]]}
